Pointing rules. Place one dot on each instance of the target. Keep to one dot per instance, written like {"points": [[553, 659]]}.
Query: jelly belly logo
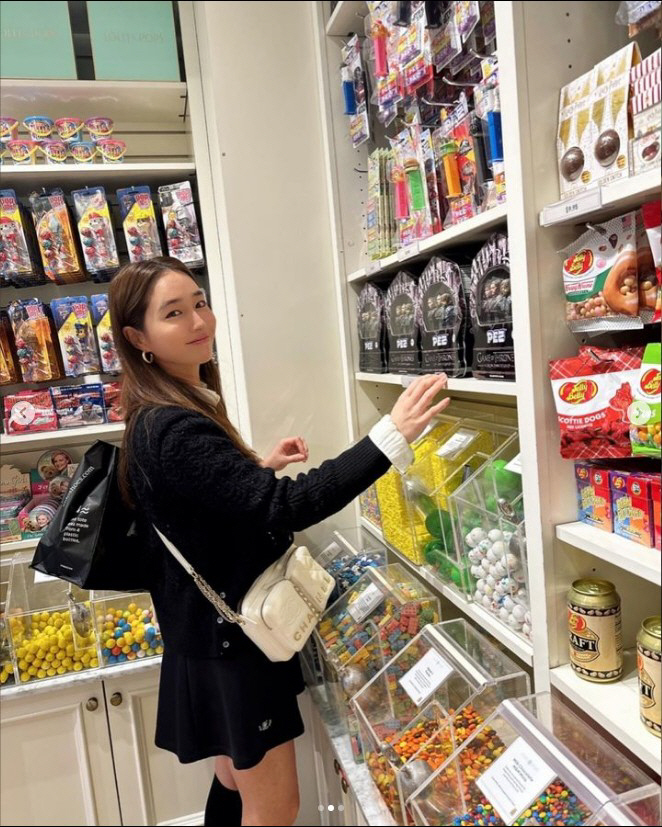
{"points": [[576, 393], [650, 382], [579, 264]]}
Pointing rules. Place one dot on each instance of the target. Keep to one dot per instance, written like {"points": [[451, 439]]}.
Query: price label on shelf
{"points": [[515, 780], [40, 577], [366, 603], [515, 465], [426, 676], [327, 555], [409, 251], [577, 205], [372, 267], [460, 440]]}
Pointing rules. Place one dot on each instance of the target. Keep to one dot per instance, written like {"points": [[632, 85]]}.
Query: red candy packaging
{"points": [[592, 393], [652, 285]]}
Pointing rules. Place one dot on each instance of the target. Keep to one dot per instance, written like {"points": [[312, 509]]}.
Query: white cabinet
{"points": [[57, 763]]}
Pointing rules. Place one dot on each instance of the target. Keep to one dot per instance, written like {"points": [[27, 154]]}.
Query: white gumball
{"points": [[491, 582], [476, 571], [485, 546], [485, 565], [475, 536], [487, 601], [521, 596], [508, 603], [526, 629], [480, 585], [488, 590], [519, 612], [527, 618], [504, 614], [475, 556], [491, 556], [494, 535], [498, 590], [500, 569], [514, 622], [478, 596], [498, 549]]}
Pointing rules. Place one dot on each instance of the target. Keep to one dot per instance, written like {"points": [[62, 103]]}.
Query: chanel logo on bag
{"points": [[305, 624]]}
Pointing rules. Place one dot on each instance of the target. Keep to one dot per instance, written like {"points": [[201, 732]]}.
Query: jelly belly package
{"points": [[490, 306], [95, 229], [644, 412], [112, 400], [593, 392], [29, 411], [442, 317], [74, 325], [110, 360], [402, 325], [34, 340], [593, 495], [55, 237], [372, 331], [651, 213], [632, 506], [18, 248], [139, 222], [181, 224], [601, 278], [79, 405]]}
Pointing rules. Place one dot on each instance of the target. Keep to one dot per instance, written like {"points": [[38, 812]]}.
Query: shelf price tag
{"points": [[515, 780], [409, 251], [366, 603], [577, 205], [515, 465], [426, 676], [373, 267], [460, 440]]}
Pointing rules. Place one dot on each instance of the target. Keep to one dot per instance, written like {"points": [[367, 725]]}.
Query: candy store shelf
{"points": [[484, 620], [469, 385], [85, 676], [344, 18], [603, 202], [368, 799], [615, 706], [71, 175], [141, 102], [644, 562], [19, 545], [71, 436], [474, 229]]}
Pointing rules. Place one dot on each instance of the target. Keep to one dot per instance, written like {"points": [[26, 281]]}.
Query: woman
{"points": [[186, 469]]}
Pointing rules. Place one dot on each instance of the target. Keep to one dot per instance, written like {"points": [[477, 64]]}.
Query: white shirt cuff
{"points": [[390, 442]]}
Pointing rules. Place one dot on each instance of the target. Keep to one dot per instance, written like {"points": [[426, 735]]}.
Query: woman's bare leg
{"points": [[270, 790]]}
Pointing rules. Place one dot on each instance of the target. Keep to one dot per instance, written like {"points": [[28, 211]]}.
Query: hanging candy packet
{"points": [[414, 51], [181, 224], [650, 283], [467, 15], [33, 337], [402, 325], [95, 230], [446, 43], [600, 278], [442, 317], [18, 248], [412, 208], [139, 223], [593, 392], [431, 180], [355, 92], [74, 326], [55, 236], [372, 333], [644, 412], [110, 360]]}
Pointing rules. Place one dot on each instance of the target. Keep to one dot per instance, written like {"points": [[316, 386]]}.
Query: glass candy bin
{"points": [[369, 505], [126, 625], [50, 622], [426, 701], [346, 556], [363, 629], [429, 484], [7, 675], [533, 762], [488, 520]]}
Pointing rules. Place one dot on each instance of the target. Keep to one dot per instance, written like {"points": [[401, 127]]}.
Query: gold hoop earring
{"points": [[148, 357]]}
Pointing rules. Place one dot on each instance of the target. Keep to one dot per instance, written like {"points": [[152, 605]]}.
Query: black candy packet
{"points": [[372, 331], [490, 306], [402, 325], [443, 320]]}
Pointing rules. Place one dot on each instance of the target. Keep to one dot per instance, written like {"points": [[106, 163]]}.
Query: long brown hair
{"points": [[147, 386]]}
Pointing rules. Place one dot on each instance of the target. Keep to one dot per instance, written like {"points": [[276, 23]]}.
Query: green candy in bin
{"points": [[500, 479], [439, 525]]}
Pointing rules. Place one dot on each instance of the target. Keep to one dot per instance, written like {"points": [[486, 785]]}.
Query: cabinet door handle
{"points": [[344, 785], [92, 704], [336, 766], [116, 699]]}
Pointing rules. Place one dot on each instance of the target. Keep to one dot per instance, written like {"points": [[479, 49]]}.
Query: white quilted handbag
{"points": [[281, 608]]}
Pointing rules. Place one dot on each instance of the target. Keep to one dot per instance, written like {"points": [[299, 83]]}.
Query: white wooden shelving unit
{"points": [[541, 47]]}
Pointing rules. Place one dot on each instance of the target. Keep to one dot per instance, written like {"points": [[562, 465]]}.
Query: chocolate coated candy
{"points": [[572, 164], [607, 147]]}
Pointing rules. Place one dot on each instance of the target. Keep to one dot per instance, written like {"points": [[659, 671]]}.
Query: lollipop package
{"points": [[139, 223], [490, 304], [402, 325], [18, 248], [110, 360], [181, 223], [74, 326], [372, 332], [34, 340], [55, 237], [442, 318], [29, 411], [96, 232]]}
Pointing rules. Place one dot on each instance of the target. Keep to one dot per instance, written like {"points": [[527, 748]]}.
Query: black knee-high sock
{"points": [[223, 806]]}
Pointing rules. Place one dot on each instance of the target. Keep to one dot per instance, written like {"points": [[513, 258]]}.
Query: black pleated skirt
{"points": [[240, 707]]}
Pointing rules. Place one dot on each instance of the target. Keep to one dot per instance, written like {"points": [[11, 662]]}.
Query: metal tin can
{"points": [[649, 667], [594, 630]]}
